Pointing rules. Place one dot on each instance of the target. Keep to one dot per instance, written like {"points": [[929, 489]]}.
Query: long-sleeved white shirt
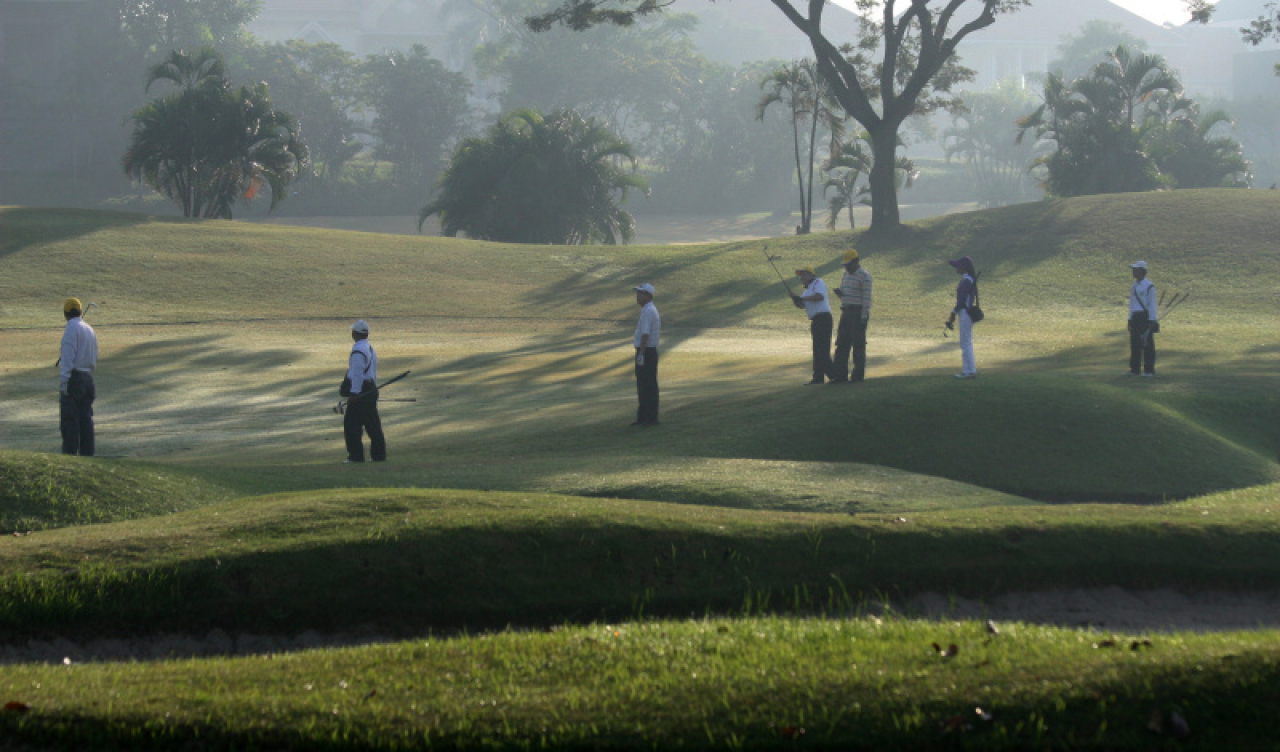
{"points": [[650, 323], [814, 307], [1143, 294], [362, 365], [79, 349]]}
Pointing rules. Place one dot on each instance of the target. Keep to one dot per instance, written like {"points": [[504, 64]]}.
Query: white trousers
{"points": [[967, 364]]}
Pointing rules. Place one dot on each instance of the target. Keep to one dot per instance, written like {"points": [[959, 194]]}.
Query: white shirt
{"points": [[363, 365], [814, 307], [1143, 294], [650, 323], [79, 348]]}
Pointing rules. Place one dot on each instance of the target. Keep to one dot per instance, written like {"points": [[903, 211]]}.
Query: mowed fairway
{"points": [[517, 495]]}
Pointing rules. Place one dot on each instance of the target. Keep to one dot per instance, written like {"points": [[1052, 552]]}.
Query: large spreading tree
{"points": [[904, 63]]}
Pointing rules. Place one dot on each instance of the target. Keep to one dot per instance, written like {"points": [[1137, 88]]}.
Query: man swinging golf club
{"points": [[818, 309], [360, 389], [78, 359]]}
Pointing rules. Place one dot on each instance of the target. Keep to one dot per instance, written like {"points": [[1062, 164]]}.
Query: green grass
{"points": [[40, 491], [754, 683], [773, 518], [336, 560]]}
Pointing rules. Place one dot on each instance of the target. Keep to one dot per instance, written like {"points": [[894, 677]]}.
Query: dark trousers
{"points": [[1142, 344], [647, 387], [75, 410], [362, 415], [851, 334], [820, 330]]}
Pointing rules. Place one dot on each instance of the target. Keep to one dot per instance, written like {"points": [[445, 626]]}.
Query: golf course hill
{"points": [[1050, 419], [1053, 555]]}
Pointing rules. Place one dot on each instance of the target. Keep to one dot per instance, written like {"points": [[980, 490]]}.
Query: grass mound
{"points": [[407, 561], [1050, 438], [42, 491], [744, 684]]}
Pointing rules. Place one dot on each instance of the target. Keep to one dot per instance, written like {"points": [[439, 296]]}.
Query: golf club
{"points": [[84, 314], [1174, 305], [775, 271], [341, 407]]}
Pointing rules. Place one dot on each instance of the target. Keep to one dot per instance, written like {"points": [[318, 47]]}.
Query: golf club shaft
{"points": [[376, 388], [775, 271]]}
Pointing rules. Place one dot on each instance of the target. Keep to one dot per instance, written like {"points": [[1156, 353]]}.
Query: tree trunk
{"points": [[884, 184], [795, 137]]}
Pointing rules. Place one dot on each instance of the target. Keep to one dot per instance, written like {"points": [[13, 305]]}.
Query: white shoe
{"points": [[1149, 375], [966, 375]]}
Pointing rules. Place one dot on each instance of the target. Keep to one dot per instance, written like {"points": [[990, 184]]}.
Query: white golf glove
{"points": [[639, 357]]}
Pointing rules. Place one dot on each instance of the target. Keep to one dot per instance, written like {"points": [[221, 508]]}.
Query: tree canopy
{"points": [[206, 144], [903, 63], [536, 179]]}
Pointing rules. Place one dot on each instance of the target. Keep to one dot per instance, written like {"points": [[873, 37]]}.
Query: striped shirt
{"points": [[855, 290], [79, 349]]}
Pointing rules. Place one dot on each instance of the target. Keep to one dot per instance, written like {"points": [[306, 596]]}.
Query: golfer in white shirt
{"points": [[648, 331]]}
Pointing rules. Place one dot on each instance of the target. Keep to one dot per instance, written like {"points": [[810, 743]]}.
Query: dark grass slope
{"points": [[409, 562], [43, 491]]}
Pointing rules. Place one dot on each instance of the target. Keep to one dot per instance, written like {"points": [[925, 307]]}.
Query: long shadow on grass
{"points": [[21, 227], [568, 570]]}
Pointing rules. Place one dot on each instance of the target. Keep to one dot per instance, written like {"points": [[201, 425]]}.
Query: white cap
{"points": [[1138, 265], [360, 326], [646, 287]]}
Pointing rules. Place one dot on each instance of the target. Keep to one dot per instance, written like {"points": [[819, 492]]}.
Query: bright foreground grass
{"points": [[409, 561], [756, 683]]}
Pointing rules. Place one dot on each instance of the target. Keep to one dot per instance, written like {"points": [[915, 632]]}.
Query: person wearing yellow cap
{"points": [[79, 358], [855, 311], [815, 305], [360, 387]]}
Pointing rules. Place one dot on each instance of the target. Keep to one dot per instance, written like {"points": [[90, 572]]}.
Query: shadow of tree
{"points": [[22, 227]]}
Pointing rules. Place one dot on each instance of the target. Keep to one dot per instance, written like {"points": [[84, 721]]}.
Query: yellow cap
{"points": [[71, 304], [850, 255], [805, 269]]}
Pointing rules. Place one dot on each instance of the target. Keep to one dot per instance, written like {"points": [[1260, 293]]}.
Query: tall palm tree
{"points": [[534, 179], [207, 145], [1135, 79], [807, 96]]}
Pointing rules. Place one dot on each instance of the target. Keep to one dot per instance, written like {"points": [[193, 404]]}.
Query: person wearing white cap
{"points": [[360, 389], [648, 331], [1142, 322], [79, 357]]}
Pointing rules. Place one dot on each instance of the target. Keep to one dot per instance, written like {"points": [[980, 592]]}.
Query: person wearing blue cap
{"points": [[648, 331]]}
